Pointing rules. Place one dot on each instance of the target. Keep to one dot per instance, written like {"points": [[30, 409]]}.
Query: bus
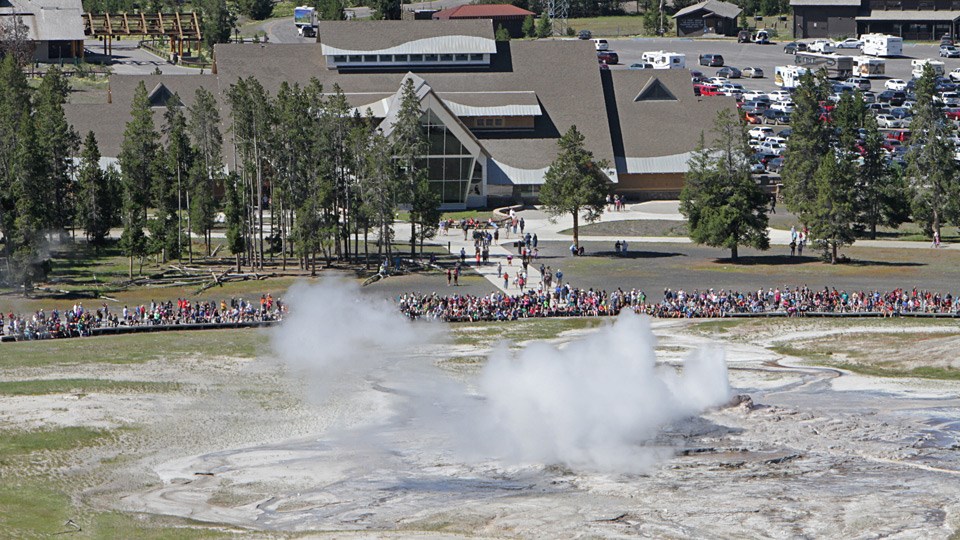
{"points": [[838, 67]]}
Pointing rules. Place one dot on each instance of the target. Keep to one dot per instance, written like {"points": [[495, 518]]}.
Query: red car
{"points": [[952, 114], [899, 134], [753, 117]]}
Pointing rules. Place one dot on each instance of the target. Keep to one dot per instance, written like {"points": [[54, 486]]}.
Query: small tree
{"points": [[502, 34], [575, 182], [544, 26], [233, 212], [723, 204], [96, 196], [529, 27]]}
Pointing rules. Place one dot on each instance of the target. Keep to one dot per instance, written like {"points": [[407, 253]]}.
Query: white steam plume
{"points": [[590, 405]]}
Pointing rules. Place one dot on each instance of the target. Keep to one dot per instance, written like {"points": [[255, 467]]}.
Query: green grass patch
{"points": [[37, 387], [135, 348], [19, 443], [489, 333], [611, 26], [283, 10], [873, 370]]}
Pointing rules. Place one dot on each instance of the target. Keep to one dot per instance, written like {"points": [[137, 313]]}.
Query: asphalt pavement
{"points": [[766, 57]]}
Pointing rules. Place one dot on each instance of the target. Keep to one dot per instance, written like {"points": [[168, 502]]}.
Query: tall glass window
{"points": [[450, 166]]}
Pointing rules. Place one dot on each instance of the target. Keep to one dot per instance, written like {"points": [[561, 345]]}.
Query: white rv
{"points": [[918, 65], [788, 76], [868, 66], [882, 45], [665, 60]]}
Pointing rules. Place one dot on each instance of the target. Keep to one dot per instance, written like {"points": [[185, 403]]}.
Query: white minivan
{"points": [[601, 44]]}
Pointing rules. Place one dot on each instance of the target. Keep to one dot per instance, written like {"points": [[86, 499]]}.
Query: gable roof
{"points": [[654, 90], [482, 11], [722, 9], [827, 3]]}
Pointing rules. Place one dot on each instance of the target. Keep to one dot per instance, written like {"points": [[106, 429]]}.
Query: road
{"points": [[128, 59]]}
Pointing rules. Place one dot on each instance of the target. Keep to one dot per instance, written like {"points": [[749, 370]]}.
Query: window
{"points": [[400, 58], [339, 58], [386, 58], [416, 58], [461, 57], [489, 122], [498, 122], [369, 58], [446, 58], [476, 57], [429, 58], [356, 58]]}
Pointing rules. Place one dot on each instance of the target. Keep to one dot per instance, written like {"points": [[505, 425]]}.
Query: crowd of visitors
{"points": [[564, 301], [79, 321]]}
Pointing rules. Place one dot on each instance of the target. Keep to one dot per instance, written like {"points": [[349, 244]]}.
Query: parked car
{"points": [[706, 90], [758, 168], [900, 113], [892, 98], [601, 44], [775, 165], [752, 72], [849, 43], [887, 122], [695, 73], [729, 72], [760, 132], [779, 95], [744, 36], [584, 34], [859, 82], [794, 47], [608, 57], [773, 116], [821, 46], [895, 84], [753, 117], [952, 113], [718, 80], [711, 60], [772, 147], [755, 95], [641, 66], [783, 106], [949, 51], [755, 105]]}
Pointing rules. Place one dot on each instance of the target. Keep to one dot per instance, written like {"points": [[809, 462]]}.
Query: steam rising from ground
{"points": [[589, 405]]}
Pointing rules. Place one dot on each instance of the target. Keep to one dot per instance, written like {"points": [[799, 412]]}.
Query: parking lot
{"points": [[766, 57]]}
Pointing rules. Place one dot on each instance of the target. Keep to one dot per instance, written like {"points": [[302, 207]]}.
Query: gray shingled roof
{"points": [[825, 3], [407, 37], [665, 130], [49, 20], [723, 9]]}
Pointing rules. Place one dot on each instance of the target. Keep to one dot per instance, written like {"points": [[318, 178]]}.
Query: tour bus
{"points": [[882, 45], [664, 60], [788, 76], [838, 67], [868, 66], [918, 64]]}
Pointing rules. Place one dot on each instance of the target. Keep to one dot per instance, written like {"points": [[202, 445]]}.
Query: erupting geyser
{"points": [[588, 405]]}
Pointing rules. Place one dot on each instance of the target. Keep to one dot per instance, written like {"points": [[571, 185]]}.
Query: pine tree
{"points": [[204, 128], [931, 169], [882, 194], [14, 107], [31, 208], [501, 34], [257, 10], [722, 203], [808, 144], [217, 22], [544, 26], [58, 143], [575, 182], [94, 202], [529, 26], [409, 143], [234, 218], [832, 217], [138, 164]]}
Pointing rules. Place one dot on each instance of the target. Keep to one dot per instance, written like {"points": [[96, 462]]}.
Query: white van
{"points": [[601, 44]]}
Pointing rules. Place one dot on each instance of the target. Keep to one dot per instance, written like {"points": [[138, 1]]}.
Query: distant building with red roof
{"points": [[506, 15]]}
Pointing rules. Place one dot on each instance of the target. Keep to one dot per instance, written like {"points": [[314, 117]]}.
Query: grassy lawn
{"points": [[638, 227], [612, 26], [83, 386], [134, 348]]}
